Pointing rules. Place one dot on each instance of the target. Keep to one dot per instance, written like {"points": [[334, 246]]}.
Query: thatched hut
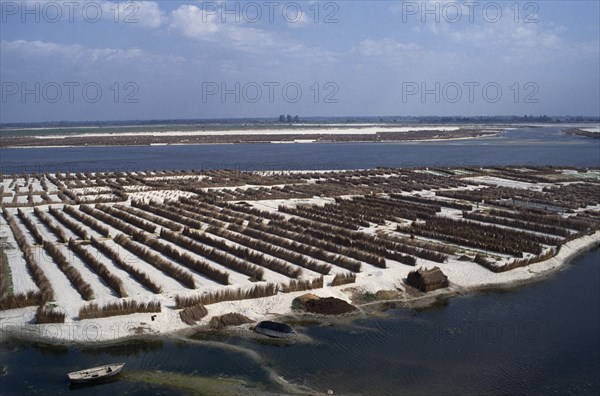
{"points": [[427, 280]]}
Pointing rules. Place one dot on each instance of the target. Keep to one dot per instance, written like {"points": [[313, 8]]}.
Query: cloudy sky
{"points": [[100, 60]]}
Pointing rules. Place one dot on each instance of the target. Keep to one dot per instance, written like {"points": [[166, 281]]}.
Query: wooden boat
{"points": [[274, 329], [95, 373]]}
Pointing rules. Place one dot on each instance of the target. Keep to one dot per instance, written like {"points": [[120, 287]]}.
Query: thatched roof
{"points": [[427, 280]]}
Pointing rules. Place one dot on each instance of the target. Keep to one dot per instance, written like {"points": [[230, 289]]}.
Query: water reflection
{"points": [[126, 348]]}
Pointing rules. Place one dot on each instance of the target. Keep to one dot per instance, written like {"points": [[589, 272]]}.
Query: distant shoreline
{"points": [[293, 136], [582, 132], [302, 141]]}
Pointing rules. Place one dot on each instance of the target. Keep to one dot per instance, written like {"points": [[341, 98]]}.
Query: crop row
{"points": [[574, 223], [72, 274], [547, 229], [287, 244], [140, 276], [185, 259], [306, 212], [192, 213], [479, 195], [169, 214], [574, 195], [57, 230], [5, 277], [343, 279], [374, 211], [108, 219], [299, 285], [201, 209], [37, 273], [275, 251], [245, 208], [128, 218], [75, 227], [113, 281], [428, 250], [392, 249], [87, 220], [125, 307], [244, 253], [399, 207], [218, 256], [173, 226], [433, 201], [480, 236], [218, 296], [49, 315], [345, 210], [348, 258], [191, 315], [179, 274], [515, 263], [19, 300], [37, 235]]}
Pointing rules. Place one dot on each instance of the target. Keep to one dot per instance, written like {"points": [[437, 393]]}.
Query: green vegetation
{"points": [[369, 297], [6, 283], [297, 304], [190, 384]]}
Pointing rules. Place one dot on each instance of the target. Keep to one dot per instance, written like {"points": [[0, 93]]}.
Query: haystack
{"points": [[427, 280], [230, 319]]}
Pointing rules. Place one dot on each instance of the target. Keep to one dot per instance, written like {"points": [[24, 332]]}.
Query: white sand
{"points": [[346, 130], [21, 280], [593, 130], [500, 182], [463, 276]]}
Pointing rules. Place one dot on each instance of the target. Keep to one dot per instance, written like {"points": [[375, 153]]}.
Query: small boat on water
{"points": [[95, 373], [274, 329]]}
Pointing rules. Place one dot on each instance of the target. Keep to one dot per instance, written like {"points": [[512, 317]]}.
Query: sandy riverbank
{"points": [[296, 135], [465, 277]]}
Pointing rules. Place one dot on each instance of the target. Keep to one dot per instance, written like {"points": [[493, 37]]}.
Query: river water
{"points": [[542, 338], [526, 146]]}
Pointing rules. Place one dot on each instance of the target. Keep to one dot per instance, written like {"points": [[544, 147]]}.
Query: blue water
{"points": [[530, 146], [543, 338]]}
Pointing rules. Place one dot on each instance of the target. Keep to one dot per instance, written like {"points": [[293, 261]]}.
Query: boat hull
{"points": [[95, 373], [274, 329]]}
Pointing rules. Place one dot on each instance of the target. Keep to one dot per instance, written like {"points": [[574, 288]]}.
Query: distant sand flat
{"points": [[271, 134]]}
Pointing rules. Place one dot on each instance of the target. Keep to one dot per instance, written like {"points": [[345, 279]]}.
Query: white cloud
{"points": [[507, 35], [146, 13], [78, 54], [385, 47], [195, 23], [192, 22], [304, 19]]}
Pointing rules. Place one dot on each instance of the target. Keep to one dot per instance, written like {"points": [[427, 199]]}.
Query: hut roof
{"points": [[427, 279]]}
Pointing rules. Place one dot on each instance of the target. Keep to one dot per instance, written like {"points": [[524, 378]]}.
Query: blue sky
{"points": [[101, 60]]}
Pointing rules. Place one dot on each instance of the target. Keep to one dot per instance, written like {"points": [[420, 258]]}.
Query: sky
{"points": [[144, 60]]}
